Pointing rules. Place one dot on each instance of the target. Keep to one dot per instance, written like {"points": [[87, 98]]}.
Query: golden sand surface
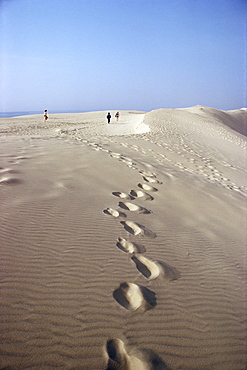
{"points": [[123, 246]]}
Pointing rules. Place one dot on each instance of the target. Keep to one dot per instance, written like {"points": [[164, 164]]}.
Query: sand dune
{"points": [[123, 246]]}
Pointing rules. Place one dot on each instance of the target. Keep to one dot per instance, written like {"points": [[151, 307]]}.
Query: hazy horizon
{"points": [[40, 111], [129, 54]]}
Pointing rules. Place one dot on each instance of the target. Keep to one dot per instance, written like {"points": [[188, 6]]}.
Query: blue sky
{"points": [[122, 54]]}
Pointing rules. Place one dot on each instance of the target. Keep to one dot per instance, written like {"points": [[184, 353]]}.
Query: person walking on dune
{"points": [[45, 115], [108, 117], [117, 116]]}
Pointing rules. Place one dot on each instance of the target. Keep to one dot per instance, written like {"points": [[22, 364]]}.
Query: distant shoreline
{"points": [[29, 113]]}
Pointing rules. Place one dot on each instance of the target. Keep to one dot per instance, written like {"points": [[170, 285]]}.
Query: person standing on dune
{"points": [[108, 117], [117, 116]]}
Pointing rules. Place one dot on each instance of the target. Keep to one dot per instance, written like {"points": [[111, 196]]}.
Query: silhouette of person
{"points": [[117, 116], [108, 117]]}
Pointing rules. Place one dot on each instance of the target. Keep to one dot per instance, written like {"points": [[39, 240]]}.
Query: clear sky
{"points": [[122, 54]]}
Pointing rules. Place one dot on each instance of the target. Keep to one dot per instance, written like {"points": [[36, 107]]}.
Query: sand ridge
{"points": [[123, 251]]}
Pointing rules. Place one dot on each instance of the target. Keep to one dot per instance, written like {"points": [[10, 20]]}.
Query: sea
{"points": [[26, 113]]}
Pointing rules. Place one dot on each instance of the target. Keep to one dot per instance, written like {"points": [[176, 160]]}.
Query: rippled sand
{"points": [[123, 246]]}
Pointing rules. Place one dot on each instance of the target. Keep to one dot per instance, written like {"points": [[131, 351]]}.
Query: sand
{"points": [[123, 246]]}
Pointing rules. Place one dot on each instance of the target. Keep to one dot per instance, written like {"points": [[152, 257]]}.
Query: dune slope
{"points": [[123, 246]]}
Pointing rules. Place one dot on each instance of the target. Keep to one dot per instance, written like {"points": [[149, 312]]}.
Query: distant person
{"points": [[117, 116], [45, 115], [108, 117]]}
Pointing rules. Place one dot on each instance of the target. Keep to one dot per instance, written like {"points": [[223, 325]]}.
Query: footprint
{"points": [[115, 155], [114, 213], [118, 357], [133, 207], [122, 195], [127, 161], [8, 170], [9, 181], [23, 157], [147, 173], [126, 158], [153, 269], [152, 180], [132, 297], [129, 247], [138, 359], [137, 229], [141, 194], [147, 187], [132, 227]]}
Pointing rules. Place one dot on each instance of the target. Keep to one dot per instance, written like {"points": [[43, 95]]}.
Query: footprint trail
{"points": [[129, 295]]}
